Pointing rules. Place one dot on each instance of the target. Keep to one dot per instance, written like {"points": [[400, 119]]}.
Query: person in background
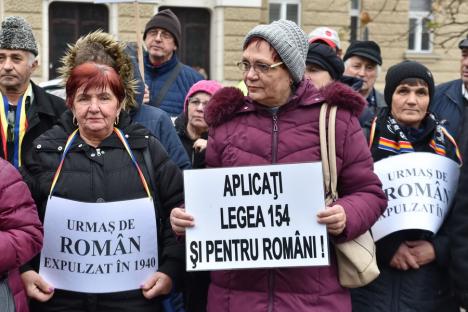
{"points": [[26, 110], [20, 237], [327, 35], [102, 48], [451, 99], [363, 60], [413, 263], [323, 66], [278, 123], [168, 80], [191, 126], [104, 162]]}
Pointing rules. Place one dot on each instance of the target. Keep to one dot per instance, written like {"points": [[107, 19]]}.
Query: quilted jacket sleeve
{"points": [[20, 228]]}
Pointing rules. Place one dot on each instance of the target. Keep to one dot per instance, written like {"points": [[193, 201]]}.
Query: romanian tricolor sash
{"points": [[122, 138], [20, 127], [438, 148], [395, 146]]}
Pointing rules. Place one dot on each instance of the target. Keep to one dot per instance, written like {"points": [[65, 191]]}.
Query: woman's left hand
{"points": [[158, 284], [334, 218], [199, 145], [422, 250]]}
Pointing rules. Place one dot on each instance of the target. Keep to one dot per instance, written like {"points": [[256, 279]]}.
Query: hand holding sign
{"points": [[334, 218], [158, 284], [180, 220], [36, 287]]}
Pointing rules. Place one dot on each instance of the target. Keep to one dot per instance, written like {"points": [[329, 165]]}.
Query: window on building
{"points": [[419, 36], [284, 9], [67, 22]]}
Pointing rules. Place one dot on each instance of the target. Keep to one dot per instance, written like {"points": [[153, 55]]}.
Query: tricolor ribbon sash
{"points": [[122, 138], [20, 127]]}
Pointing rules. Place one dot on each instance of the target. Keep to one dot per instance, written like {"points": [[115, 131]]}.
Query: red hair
{"points": [[93, 75], [258, 40]]}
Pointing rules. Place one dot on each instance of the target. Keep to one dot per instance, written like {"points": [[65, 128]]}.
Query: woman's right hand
{"points": [[180, 220], [36, 287], [403, 259]]}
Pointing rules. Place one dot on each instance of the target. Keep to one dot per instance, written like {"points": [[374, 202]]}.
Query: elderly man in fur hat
{"points": [[26, 111]]}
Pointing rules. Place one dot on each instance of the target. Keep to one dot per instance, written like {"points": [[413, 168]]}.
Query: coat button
{"points": [[92, 155], [60, 148], [100, 200], [38, 146], [127, 136], [81, 145]]}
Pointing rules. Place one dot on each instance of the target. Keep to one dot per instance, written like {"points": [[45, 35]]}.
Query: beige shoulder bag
{"points": [[356, 258]]}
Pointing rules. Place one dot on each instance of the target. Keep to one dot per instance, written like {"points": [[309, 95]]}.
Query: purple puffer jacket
{"points": [[242, 133], [20, 230]]}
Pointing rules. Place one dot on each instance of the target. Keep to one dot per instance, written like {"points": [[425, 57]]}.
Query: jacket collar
{"points": [[161, 68]]}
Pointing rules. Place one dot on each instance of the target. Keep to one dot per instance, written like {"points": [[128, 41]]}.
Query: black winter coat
{"points": [[197, 159], [426, 289], [43, 113], [107, 174]]}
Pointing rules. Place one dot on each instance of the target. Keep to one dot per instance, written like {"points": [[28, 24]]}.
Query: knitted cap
{"points": [[16, 34], [167, 20], [402, 71], [289, 41], [324, 56], [463, 44], [367, 49], [327, 35], [207, 86]]}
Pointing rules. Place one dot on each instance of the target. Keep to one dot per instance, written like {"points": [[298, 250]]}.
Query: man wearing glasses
{"points": [[168, 80]]}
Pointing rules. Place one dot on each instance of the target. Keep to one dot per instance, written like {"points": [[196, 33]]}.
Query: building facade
{"points": [[213, 30]]}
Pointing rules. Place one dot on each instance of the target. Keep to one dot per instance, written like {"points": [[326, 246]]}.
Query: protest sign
{"points": [[255, 217], [420, 188], [99, 247]]}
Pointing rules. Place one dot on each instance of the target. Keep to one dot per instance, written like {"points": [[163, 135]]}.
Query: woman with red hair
{"points": [[95, 157]]}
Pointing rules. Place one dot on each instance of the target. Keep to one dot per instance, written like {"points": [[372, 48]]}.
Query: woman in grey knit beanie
{"points": [[278, 122]]}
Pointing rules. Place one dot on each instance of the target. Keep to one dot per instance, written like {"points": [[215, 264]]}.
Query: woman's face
{"points": [[95, 111], [317, 75], [271, 88], [195, 111], [409, 104]]}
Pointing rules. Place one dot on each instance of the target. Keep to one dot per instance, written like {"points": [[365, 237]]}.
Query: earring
{"points": [[74, 121], [116, 122]]}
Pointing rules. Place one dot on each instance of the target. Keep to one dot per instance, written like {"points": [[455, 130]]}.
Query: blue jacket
{"points": [[157, 122], [156, 76], [448, 105]]}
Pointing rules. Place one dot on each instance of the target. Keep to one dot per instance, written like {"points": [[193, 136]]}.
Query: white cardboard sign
{"points": [[255, 217], [420, 188], [99, 247]]}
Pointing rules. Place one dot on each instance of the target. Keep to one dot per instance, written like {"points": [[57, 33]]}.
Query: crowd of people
{"points": [[115, 148]]}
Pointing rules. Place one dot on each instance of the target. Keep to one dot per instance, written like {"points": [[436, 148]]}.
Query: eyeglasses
{"points": [[196, 102], [245, 66], [163, 33]]}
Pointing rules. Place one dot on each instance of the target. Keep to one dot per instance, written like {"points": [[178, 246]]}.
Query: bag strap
{"points": [[328, 152], [167, 84]]}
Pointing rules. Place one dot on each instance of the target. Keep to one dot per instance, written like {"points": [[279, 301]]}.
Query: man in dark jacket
{"points": [[363, 60], [168, 80], [26, 111], [451, 98]]}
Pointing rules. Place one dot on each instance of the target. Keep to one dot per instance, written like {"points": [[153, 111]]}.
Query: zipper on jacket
{"points": [[271, 287], [274, 144]]}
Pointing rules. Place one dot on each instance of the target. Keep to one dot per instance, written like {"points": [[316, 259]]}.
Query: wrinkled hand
{"points": [[403, 259], [146, 95], [199, 145], [36, 287], [158, 284], [334, 218], [423, 251], [180, 220]]}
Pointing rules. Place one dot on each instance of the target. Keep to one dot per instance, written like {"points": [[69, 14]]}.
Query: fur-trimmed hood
{"points": [[230, 101], [114, 55]]}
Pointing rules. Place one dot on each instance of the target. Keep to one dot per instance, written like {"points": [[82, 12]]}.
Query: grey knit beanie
{"points": [[16, 34], [289, 41]]}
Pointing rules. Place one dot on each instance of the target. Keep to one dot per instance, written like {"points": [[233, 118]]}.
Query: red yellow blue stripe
{"points": [[395, 146], [20, 127]]}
